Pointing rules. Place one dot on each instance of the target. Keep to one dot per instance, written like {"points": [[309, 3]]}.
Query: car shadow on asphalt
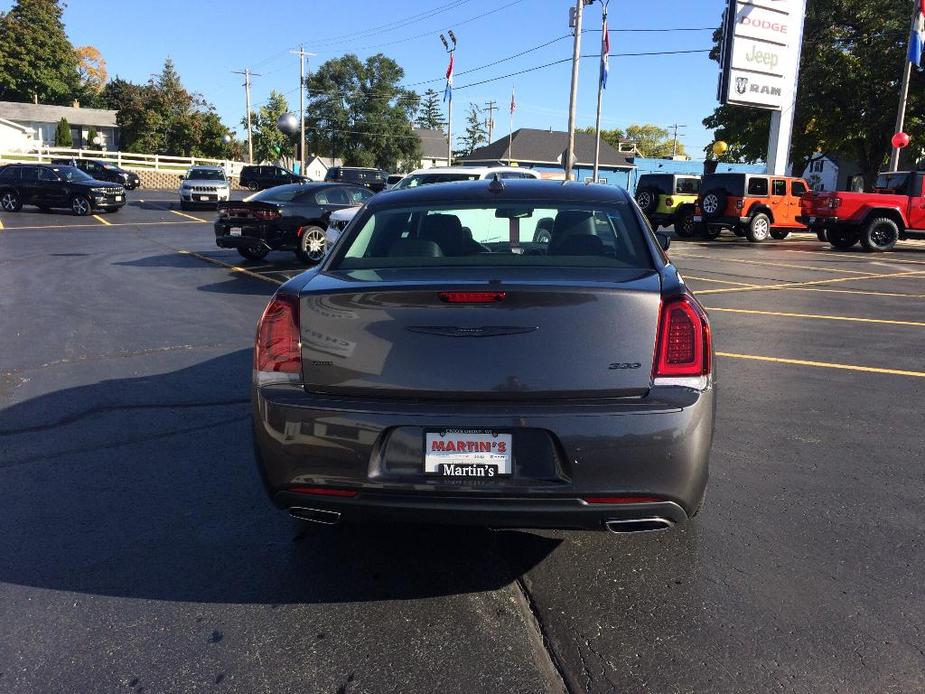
{"points": [[146, 487]]}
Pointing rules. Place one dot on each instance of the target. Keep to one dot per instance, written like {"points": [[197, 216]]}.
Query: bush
{"points": [[91, 135], [63, 134]]}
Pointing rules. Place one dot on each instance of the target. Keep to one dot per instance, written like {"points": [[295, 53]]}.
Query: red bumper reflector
{"points": [[472, 297], [622, 499], [324, 491]]}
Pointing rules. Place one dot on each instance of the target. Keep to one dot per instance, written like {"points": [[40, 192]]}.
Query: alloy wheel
{"points": [[8, 201], [644, 200], [882, 235], [710, 204], [313, 244], [80, 206], [761, 229]]}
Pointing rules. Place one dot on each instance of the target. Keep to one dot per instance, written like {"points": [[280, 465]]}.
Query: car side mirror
{"points": [[664, 240]]}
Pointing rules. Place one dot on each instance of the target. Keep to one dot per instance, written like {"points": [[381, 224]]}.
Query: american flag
{"points": [[605, 54], [448, 92], [514, 102]]}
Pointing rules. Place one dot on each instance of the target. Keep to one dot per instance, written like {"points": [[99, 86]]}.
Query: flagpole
{"points": [[600, 93], [510, 132], [904, 90]]}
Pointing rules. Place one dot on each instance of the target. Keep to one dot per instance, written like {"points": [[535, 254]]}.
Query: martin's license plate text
{"points": [[467, 453]]}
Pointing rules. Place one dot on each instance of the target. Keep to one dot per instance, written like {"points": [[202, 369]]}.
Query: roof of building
{"points": [[547, 147], [433, 143], [44, 113], [325, 161]]}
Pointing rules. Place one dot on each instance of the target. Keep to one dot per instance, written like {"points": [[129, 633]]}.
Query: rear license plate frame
{"points": [[476, 462], [235, 231]]}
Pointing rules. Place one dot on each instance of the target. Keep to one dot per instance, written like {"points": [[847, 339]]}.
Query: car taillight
{"points": [[740, 204], [834, 202], [266, 215], [684, 343], [277, 347], [324, 491], [669, 201], [472, 297]]}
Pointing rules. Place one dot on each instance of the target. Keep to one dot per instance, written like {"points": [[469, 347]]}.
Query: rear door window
{"points": [[9, 173], [687, 186], [797, 188], [332, 196], [30, 174], [779, 187], [757, 186]]}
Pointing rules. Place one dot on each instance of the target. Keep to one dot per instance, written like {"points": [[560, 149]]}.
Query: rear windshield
{"points": [[503, 234], [426, 178], [733, 184], [689, 186], [893, 181], [661, 182], [277, 194]]}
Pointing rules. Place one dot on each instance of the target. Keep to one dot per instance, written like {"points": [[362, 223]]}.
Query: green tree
{"points": [[612, 137], [270, 143], [361, 108], [63, 134], [429, 113], [36, 58], [91, 135], [852, 58], [474, 134], [649, 139]]}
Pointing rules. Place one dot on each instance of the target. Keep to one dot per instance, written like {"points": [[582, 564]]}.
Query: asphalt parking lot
{"points": [[138, 551]]}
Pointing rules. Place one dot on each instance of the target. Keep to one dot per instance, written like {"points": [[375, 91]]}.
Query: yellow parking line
{"points": [[189, 216], [788, 285], [707, 279], [855, 291], [233, 268], [1, 224], [772, 264], [101, 220], [820, 316], [823, 364]]}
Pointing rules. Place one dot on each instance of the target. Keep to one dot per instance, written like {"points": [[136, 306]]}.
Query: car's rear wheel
{"points": [[880, 235], [81, 205], [713, 203], [312, 245], [10, 201], [759, 228], [684, 225], [779, 234], [647, 199], [841, 239], [253, 253], [821, 235], [710, 232], [252, 185]]}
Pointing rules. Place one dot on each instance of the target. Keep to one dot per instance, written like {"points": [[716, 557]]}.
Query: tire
{"points": [[759, 228], [841, 239], [253, 253], [252, 185], [684, 225], [821, 235], [10, 201], [779, 234], [312, 245], [647, 199], [710, 232], [880, 234], [713, 203], [81, 205]]}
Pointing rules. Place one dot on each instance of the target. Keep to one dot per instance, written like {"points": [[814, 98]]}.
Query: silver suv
{"points": [[204, 185]]}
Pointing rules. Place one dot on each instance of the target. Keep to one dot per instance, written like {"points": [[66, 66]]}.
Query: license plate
{"points": [[203, 197], [118, 198], [467, 453], [698, 218], [235, 231]]}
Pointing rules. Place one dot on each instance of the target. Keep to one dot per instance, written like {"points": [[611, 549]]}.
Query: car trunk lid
{"points": [[553, 333]]}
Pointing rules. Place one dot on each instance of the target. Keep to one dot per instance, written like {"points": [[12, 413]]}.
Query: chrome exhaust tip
{"points": [[638, 525], [315, 515]]}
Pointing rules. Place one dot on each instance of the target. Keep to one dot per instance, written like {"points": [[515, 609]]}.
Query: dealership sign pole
{"points": [[761, 65]]}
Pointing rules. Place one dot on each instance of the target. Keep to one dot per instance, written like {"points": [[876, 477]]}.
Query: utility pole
{"points": [[301, 53], [674, 147], [490, 108], [575, 20], [903, 95], [247, 106]]}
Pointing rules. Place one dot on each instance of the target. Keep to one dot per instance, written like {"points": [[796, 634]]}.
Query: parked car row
{"points": [[761, 206], [50, 186]]}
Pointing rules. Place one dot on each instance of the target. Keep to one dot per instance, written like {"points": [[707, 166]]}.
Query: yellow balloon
{"points": [[720, 148]]}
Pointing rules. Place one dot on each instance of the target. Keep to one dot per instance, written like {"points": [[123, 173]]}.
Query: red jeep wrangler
{"points": [[895, 210]]}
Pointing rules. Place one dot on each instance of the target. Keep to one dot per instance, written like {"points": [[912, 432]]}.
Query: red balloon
{"points": [[900, 140]]}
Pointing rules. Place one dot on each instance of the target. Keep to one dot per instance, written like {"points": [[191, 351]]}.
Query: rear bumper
{"points": [[252, 236], [656, 446], [723, 221], [819, 222]]}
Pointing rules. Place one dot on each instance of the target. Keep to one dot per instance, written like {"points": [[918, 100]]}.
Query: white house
{"points": [[433, 148], [317, 167], [827, 171], [15, 137], [43, 120]]}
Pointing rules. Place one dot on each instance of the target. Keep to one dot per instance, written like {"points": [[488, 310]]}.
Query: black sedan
{"points": [[441, 366], [103, 171], [290, 217]]}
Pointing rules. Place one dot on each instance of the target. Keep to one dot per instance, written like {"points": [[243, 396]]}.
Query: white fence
{"points": [[128, 160]]}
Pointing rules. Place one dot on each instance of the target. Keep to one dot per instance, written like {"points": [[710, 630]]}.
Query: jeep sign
{"points": [[761, 52]]}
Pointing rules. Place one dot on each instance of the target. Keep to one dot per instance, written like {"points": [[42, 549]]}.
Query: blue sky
{"points": [[207, 40]]}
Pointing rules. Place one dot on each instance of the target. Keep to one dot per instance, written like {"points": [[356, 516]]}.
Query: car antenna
{"points": [[496, 185]]}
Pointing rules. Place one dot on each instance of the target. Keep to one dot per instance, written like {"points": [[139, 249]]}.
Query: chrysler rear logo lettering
{"points": [[620, 365], [484, 331]]}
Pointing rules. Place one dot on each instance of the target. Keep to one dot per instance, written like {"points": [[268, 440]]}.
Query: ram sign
{"points": [[761, 52]]}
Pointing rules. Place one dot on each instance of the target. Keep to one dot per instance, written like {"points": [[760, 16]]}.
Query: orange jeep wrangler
{"points": [[752, 205]]}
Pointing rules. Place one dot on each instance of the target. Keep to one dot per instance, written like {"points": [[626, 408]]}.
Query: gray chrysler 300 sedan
{"points": [[440, 365]]}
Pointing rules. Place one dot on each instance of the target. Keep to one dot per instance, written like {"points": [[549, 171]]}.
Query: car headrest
{"points": [[446, 231], [414, 248]]}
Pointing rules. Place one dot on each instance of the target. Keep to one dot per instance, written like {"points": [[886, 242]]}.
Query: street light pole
{"points": [[247, 109], [573, 96]]}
